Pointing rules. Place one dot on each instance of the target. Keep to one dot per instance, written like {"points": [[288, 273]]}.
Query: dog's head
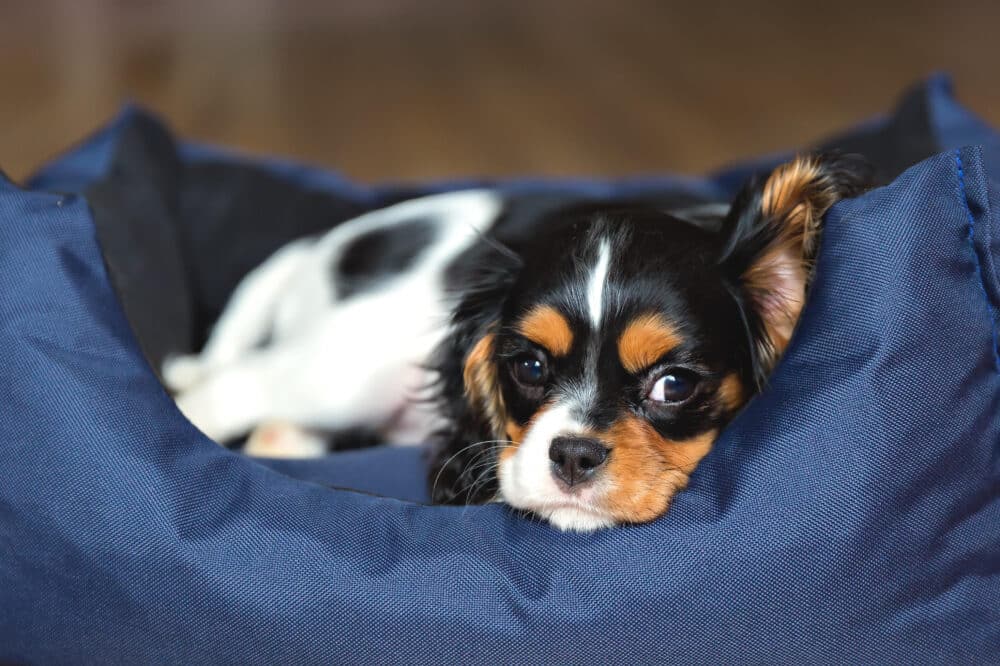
{"points": [[599, 364]]}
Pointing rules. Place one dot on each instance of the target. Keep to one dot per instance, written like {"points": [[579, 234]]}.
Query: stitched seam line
{"points": [[971, 237]]}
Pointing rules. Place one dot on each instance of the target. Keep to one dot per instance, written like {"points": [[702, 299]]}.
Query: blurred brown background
{"points": [[429, 88]]}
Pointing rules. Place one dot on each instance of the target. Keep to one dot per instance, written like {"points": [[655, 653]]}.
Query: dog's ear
{"points": [[482, 389], [462, 469], [771, 237]]}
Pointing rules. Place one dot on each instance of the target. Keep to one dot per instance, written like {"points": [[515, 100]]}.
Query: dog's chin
{"points": [[571, 512], [564, 514], [575, 519]]}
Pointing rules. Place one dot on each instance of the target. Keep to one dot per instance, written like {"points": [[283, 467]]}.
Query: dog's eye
{"points": [[529, 370], [675, 385]]}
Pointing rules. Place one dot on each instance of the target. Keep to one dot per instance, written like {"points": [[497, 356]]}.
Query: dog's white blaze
{"points": [[595, 284], [526, 480]]}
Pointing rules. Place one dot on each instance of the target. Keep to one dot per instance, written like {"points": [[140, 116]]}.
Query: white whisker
{"points": [[494, 442]]}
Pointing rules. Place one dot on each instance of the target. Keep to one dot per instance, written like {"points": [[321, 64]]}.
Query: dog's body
{"points": [[575, 359], [333, 334]]}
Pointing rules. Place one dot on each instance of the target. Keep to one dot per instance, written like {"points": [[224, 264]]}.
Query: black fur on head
{"points": [[462, 472], [715, 301]]}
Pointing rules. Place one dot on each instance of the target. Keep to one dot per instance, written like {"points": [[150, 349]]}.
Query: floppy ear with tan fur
{"points": [[773, 232], [468, 393]]}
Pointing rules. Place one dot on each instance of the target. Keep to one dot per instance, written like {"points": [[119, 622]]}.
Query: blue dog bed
{"points": [[851, 513]]}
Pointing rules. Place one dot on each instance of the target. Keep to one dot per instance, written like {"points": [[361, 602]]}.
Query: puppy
{"points": [[574, 359]]}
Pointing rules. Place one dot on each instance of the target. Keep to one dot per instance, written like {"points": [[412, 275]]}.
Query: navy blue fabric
{"points": [[851, 514], [393, 471]]}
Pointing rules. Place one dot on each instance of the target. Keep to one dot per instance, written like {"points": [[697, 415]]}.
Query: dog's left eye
{"points": [[675, 385], [529, 370]]}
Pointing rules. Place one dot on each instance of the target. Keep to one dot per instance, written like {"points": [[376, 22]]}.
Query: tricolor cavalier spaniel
{"points": [[574, 359]]}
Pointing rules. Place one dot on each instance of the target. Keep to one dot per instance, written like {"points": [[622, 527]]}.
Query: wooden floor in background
{"points": [[412, 89]]}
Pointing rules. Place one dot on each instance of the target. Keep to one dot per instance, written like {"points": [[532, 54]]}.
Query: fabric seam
{"points": [[977, 264]]}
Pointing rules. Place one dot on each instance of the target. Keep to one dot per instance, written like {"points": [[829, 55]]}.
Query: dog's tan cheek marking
{"points": [[481, 386], [506, 452], [546, 326], [516, 432], [645, 470], [645, 340], [731, 392]]}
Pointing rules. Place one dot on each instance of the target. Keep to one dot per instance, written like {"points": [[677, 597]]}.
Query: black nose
{"points": [[575, 459]]}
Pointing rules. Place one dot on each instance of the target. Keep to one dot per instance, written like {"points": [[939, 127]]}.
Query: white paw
{"points": [[199, 411], [181, 373], [284, 440]]}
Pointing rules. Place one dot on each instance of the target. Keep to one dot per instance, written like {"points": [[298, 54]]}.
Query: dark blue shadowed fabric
{"points": [[851, 514]]}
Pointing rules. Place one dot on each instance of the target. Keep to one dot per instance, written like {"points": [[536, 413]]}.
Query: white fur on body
{"points": [[330, 365], [290, 361]]}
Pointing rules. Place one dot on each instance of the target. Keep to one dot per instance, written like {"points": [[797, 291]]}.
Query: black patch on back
{"points": [[378, 255]]}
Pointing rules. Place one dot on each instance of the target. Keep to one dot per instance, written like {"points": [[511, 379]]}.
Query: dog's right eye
{"points": [[675, 385], [529, 370]]}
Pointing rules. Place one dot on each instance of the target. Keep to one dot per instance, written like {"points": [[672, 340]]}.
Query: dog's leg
{"points": [[231, 400], [246, 321], [311, 381], [284, 440]]}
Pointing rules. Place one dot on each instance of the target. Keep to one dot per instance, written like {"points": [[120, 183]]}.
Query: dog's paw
{"points": [[284, 440], [181, 373], [197, 407]]}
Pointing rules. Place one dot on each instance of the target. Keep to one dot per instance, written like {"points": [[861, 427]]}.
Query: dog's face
{"points": [[626, 339], [617, 360]]}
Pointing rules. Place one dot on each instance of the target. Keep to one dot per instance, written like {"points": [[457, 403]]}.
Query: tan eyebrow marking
{"points": [[546, 326], [645, 340]]}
